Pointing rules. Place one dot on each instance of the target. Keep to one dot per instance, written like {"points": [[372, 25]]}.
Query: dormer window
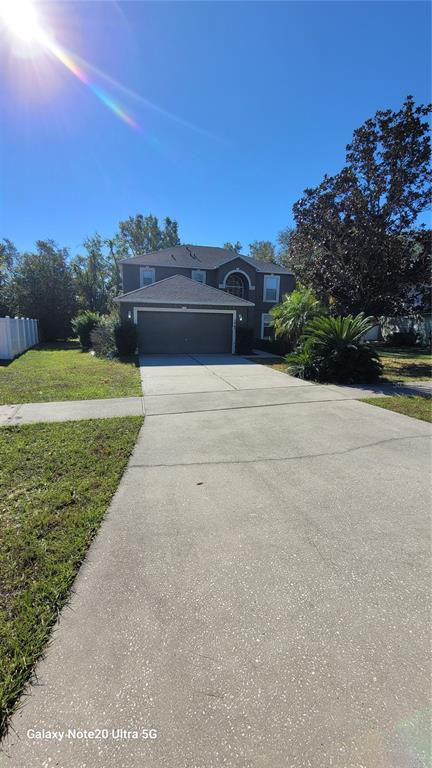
{"points": [[199, 275], [147, 276], [271, 289]]}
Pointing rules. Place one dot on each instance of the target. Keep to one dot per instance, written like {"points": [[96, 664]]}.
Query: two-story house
{"points": [[191, 298]]}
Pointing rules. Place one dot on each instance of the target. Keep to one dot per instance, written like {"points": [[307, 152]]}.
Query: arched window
{"points": [[235, 285]]}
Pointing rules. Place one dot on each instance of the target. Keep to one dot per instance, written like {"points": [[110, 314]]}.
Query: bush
{"points": [[244, 340], [125, 335], [102, 338], [332, 350], [83, 324], [403, 339]]}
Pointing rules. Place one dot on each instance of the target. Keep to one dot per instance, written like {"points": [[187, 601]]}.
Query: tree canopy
{"points": [[263, 250], [356, 241], [42, 287], [143, 233]]}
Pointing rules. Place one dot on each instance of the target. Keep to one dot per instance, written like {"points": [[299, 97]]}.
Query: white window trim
{"points": [[277, 278], [263, 316], [233, 272], [199, 272], [232, 312], [147, 269]]}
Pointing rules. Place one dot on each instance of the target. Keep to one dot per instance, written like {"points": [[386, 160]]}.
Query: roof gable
{"points": [[182, 290]]}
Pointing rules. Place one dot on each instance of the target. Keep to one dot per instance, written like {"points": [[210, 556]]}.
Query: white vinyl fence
{"points": [[16, 335], [385, 326]]}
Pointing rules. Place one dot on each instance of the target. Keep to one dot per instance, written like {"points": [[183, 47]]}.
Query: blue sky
{"points": [[270, 92]]}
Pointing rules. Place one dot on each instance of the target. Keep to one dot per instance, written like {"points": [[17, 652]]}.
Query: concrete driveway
{"points": [[166, 374], [259, 590]]}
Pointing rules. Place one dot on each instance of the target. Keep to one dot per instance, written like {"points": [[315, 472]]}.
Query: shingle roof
{"points": [[200, 257], [182, 290]]}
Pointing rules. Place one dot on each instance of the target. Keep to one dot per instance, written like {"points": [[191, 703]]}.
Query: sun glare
{"points": [[21, 18]]}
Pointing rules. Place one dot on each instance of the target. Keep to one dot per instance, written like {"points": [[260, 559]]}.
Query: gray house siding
{"points": [[286, 285], [131, 275]]}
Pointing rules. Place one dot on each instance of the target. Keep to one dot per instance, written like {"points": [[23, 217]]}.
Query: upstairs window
{"points": [[271, 289], [235, 285], [199, 275], [147, 276]]}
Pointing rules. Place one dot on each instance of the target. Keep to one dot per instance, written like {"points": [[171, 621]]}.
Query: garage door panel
{"points": [[184, 332]]}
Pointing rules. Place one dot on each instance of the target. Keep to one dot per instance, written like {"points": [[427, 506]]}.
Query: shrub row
{"points": [[107, 335]]}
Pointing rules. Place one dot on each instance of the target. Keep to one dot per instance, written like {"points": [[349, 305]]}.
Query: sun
{"points": [[20, 18]]}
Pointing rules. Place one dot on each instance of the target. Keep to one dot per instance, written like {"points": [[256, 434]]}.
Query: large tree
{"points": [[117, 251], [141, 234], [236, 247], [263, 250], [357, 239], [91, 273], [42, 287], [284, 246], [8, 257]]}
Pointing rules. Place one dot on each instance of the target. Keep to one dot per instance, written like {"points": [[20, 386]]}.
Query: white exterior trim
{"points": [[191, 303], [233, 272], [263, 315], [277, 278], [195, 311], [201, 272], [147, 269]]}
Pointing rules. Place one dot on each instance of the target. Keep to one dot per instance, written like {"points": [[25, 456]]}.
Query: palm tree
{"points": [[331, 334], [296, 310]]}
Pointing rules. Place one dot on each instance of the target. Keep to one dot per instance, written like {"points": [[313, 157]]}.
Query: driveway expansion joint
{"points": [[265, 460]]}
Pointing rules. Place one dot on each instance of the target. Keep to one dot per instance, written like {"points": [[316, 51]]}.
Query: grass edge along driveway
{"points": [[59, 372], [416, 406], [56, 482]]}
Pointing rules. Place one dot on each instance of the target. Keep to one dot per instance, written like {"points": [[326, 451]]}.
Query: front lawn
{"points": [[56, 482], [411, 405], [405, 364], [62, 372]]}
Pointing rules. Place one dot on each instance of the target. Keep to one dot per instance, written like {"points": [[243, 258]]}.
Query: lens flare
{"points": [[69, 61], [21, 19]]}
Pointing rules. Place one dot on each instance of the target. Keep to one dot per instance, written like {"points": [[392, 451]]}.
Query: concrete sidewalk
{"points": [[70, 410], [258, 593]]}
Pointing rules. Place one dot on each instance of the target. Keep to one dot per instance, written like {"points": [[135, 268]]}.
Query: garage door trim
{"points": [[186, 310]]}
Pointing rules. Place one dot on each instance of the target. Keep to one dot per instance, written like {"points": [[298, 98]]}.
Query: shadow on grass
{"points": [[57, 346], [403, 352]]}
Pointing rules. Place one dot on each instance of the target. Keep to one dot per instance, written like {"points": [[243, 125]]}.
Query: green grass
{"points": [[411, 405], [279, 366], [56, 481], [405, 364], [63, 372], [399, 364]]}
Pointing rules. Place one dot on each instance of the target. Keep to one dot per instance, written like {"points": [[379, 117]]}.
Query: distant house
{"points": [[192, 298]]}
